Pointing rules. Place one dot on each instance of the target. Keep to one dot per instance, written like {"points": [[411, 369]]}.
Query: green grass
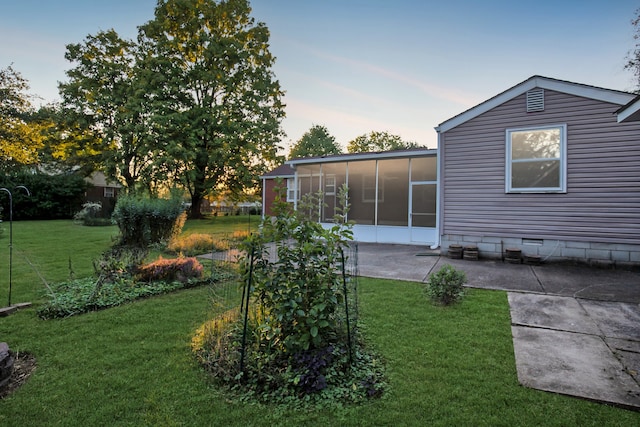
{"points": [[132, 365], [222, 224]]}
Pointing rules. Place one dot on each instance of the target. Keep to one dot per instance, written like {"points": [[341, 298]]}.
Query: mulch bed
{"points": [[23, 367]]}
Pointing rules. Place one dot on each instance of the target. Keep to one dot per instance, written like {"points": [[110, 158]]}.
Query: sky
{"points": [[357, 66]]}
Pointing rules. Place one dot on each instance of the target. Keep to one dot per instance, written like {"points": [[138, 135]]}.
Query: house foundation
{"points": [[606, 255]]}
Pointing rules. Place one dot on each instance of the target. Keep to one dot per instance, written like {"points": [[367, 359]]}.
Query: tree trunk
{"points": [[196, 201]]}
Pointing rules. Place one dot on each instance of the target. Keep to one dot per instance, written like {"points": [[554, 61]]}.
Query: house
{"points": [[549, 167], [283, 173], [392, 194], [102, 191]]}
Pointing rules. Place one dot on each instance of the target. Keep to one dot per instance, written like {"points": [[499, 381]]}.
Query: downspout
{"points": [[439, 163], [264, 196], [295, 187]]}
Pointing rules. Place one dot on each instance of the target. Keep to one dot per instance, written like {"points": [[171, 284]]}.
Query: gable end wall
{"points": [[602, 203]]}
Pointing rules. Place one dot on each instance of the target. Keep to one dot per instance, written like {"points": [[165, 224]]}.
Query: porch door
{"points": [[423, 212]]}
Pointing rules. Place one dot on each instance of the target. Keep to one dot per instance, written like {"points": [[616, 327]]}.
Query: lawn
{"points": [[131, 365]]}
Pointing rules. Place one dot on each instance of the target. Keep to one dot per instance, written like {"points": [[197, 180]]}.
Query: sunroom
{"points": [[393, 195]]}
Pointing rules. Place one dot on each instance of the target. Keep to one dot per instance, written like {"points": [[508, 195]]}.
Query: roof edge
{"points": [[629, 112], [413, 152]]}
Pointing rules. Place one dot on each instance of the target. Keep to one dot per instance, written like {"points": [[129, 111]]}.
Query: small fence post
{"points": [[246, 291], [346, 304]]}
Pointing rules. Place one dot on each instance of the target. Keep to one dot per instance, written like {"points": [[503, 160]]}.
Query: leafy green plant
{"points": [[144, 222], [445, 286], [297, 348], [301, 289]]}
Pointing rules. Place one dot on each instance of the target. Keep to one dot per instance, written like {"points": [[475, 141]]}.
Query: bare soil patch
{"points": [[24, 365]]}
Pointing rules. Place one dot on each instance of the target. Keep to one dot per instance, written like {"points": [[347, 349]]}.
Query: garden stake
{"points": [[346, 304], [11, 233], [246, 309]]}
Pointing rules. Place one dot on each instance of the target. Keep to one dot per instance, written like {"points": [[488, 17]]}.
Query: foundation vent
{"points": [[535, 100]]}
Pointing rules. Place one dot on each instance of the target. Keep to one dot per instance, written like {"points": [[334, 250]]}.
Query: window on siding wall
{"points": [[109, 192], [536, 159], [291, 190]]}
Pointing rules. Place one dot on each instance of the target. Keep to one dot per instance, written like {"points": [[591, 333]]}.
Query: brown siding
{"points": [[602, 203], [270, 194], [96, 194]]}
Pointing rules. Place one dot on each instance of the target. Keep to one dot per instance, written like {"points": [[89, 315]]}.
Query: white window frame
{"points": [[562, 187], [109, 192], [291, 189], [329, 185]]}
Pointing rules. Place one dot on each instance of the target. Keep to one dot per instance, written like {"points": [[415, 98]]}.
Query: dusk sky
{"points": [[356, 66]]}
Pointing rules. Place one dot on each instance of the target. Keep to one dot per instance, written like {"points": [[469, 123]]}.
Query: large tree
{"points": [[216, 105], [22, 132], [315, 142], [633, 57], [378, 141], [105, 97]]}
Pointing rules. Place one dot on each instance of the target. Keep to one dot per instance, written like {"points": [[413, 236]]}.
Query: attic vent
{"points": [[535, 100]]}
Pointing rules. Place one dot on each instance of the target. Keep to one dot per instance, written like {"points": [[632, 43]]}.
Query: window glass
{"points": [[535, 144], [291, 189], [535, 159], [538, 174]]}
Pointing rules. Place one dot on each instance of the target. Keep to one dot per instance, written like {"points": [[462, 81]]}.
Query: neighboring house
{"points": [[284, 174], [103, 191], [548, 166], [392, 194]]}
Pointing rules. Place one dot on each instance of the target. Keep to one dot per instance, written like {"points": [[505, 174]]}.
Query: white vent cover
{"points": [[535, 100]]}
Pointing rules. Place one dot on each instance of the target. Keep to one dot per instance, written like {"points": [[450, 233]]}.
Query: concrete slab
{"points": [[615, 319], [400, 262], [490, 274], [550, 312], [572, 364], [623, 345], [590, 283], [630, 360]]}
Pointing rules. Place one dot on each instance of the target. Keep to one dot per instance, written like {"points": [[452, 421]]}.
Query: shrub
{"points": [[144, 222], [166, 269], [52, 196], [445, 287], [296, 347]]}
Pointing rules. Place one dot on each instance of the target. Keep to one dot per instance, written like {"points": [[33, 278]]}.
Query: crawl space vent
{"points": [[535, 100]]}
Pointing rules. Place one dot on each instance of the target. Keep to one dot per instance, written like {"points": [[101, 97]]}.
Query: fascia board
{"points": [[630, 112], [363, 156]]}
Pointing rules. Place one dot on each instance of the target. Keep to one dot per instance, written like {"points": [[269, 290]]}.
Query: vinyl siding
{"points": [[602, 203]]}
